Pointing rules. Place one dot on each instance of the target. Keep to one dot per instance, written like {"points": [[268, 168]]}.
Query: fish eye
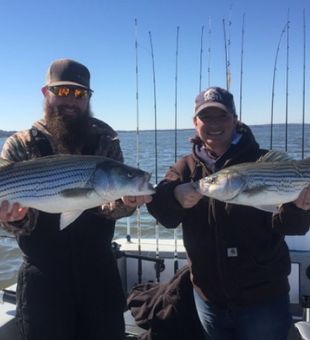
{"points": [[130, 174], [212, 180]]}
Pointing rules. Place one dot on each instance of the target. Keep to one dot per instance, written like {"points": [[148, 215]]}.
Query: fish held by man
{"points": [[70, 184], [266, 184]]}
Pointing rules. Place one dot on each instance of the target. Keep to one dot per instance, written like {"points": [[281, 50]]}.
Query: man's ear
{"points": [[44, 90]]}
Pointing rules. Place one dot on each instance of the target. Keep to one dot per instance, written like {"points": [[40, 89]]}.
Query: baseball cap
{"points": [[215, 97], [68, 72]]}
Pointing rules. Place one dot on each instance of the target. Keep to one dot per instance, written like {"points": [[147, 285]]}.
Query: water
{"points": [[166, 156], [10, 256]]}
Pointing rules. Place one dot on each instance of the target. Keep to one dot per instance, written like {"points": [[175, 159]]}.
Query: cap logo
{"points": [[215, 97], [212, 96]]}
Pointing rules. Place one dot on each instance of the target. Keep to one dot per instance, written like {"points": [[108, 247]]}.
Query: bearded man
{"points": [[68, 286]]}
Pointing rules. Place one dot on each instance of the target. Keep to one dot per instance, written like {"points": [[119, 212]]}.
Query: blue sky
{"points": [[101, 34]]}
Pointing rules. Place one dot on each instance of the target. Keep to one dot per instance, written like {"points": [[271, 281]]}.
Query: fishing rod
{"points": [[176, 263], [228, 47], [200, 63], [273, 84], [156, 153], [209, 52], [241, 68], [226, 57], [137, 95], [303, 87], [287, 74], [138, 211], [176, 97], [155, 107]]}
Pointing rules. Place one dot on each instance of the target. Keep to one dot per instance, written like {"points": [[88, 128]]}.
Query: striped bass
{"points": [[70, 184], [271, 181]]}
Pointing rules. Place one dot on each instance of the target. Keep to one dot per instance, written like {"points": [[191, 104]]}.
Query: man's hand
{"points": [[136, 201], [303, 200], [11, 213], [186, 195]]}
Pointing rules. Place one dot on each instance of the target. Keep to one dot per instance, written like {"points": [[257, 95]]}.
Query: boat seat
{"points": [[8, 328], [303, 329]]}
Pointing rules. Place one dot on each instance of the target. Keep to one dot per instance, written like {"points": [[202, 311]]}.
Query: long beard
{"points": [[70, 133]]}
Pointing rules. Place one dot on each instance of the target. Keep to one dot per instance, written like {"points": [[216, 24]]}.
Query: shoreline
{"points": [[4, 133]]}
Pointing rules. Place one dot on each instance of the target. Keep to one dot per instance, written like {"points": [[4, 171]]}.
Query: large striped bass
{"points": [[70, 184], [271, 181]]}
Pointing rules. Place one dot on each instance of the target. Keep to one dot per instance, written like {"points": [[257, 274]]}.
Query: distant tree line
{"points": [[5, 133]]}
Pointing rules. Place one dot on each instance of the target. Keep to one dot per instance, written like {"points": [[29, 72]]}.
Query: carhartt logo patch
{"points": [[232, 252]]}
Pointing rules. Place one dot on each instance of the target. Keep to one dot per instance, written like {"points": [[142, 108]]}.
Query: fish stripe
{"points": [[258, 183], [17, 180]]}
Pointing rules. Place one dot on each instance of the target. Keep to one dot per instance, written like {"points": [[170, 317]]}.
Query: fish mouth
{"points": [[145, 185]]}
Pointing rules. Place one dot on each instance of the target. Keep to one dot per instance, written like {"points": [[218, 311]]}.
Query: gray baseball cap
{"points": [[215, 97], [68, 72]]}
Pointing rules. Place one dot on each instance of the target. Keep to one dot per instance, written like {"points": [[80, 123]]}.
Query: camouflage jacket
{"points": [[24, 145]]}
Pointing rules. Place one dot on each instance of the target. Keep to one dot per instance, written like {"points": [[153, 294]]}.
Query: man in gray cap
{"points": [[68, 286], [237, 255]]}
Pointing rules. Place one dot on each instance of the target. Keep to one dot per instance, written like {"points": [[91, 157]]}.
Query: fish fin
{"points": [[76, 192], [275, 156], [269, 208], [5, 162], [68, 217]]}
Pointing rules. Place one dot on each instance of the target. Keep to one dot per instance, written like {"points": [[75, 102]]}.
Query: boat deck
{"points": [[138, 266], [8, 330]]}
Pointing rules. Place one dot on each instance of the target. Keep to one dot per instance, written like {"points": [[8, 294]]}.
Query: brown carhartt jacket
{"points": [[237, 254]]}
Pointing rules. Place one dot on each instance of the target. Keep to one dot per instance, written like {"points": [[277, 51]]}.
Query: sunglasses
{"points": [[65, 91]]}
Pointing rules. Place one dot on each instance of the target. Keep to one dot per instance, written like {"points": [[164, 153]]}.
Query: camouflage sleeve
{"points": [[107, 141], [23, 227], [116, 152], [109, 146], [115, 210], [14, 149]]}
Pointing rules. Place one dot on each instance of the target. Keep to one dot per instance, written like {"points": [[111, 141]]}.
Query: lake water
{"points": [[157, 160]]}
